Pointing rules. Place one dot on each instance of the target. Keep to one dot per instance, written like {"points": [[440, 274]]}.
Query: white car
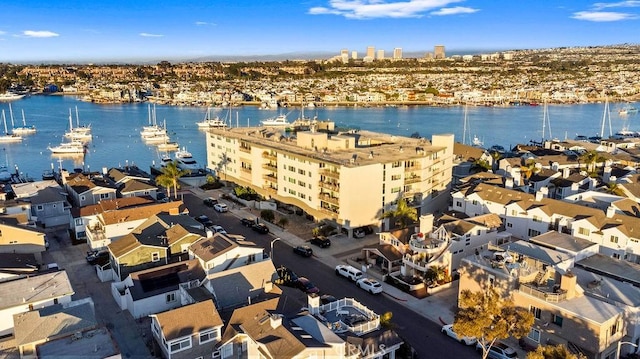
{"points": [[220, 207], [370, 285], [218, 229], [448, 330]]}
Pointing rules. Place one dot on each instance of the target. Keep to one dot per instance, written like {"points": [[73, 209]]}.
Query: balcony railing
{"points": [[270, 189], [245, 169], [412, 179], [96, 233], [545, 293], [331, 212], [245, 149], [270, 178], [270, 167], [329, 199], [269, 155], [413, 167], [329, 186], [330, 173], [427, 245]]}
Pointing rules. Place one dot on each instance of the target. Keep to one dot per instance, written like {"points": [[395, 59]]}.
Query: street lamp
{"points": [[620, 345], [272, 242]]}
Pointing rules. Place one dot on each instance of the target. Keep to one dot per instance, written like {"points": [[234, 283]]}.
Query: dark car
{"points": [[286, 277], [304, 251], [97, 257], [247, 222], [327, 298], [306, 286], [204, 220], [321, 242], [260, 228], [210, 201]]}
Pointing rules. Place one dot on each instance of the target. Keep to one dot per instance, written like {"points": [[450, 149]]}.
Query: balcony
{"points": [[329, 186], [412, 179], [548, 294], [270, 167], [270, 189], [245, 169], [330, 173], [270, 178], [427, 245], [326, 197], [96, 233], [412, 167], [332, 212], [244, 149], [270, 156]]}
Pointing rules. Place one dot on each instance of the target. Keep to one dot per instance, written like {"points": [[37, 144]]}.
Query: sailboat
{"points": [[209, 122], [153, 130], [606, 116], [78, 133], [476, 142], [546, 122], [8, 137], [24, 129]]}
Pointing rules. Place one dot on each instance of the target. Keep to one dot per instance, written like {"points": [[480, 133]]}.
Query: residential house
{"points": [[17, 265], [47, 203], [71, 321], [92, 343], [221, 252], [153, 242], [109, 221], [156, 289], [87, 190], [540, 279], [34, 292], [19, 238], [191, 331], [132, 182]]}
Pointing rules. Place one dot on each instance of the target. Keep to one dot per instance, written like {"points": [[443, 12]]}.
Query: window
{"points": [[300, 183], [181, 345], [458, 204], [557, 320], [104, 195], [533, 232], [535, 311], [396, 164], [534, 335], [583, 231], [208, 336], [537, 219], [491, 280], [171, 297], [39, 207], [395, 177], [474, 202], [509, 225], [155, 256], [395, 190], [78, 221], [614, 329], [514, 212], [251, 258], [614, 239]]}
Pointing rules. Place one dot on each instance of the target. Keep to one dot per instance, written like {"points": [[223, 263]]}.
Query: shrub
{"points": [[282, 222], [267, 215]]}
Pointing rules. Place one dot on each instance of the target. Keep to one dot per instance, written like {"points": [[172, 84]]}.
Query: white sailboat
{"points": [[24, 129], [8, 137], [82, 134], [209, 122], [546, 122], [466, 130]]}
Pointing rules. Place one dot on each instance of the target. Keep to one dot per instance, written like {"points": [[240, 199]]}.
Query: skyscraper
{"points": [[397, 53], [344, 54], [371, 52], [438, 52], [380, 55]]}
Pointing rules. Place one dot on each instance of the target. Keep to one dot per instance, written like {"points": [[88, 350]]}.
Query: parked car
{"points": [[220, 207], [218, 229], [370, 285], [358, 233], [204, 220], [260, 228], [348, 271], [448, 330], [286, 277], [304, 251], [97, 257], [247, 222], [499, 350], [306, 286], [327, 298], [210, 201], [321, 242]]}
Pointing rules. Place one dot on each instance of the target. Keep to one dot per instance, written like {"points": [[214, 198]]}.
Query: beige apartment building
{"points": [[347, 178]]}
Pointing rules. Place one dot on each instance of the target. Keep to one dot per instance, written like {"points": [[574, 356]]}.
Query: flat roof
{"points": [[532, 250], [21, 292], [606, 288], [591, 308], [385, 147], [619, 269], [562, 241], [94, 344]]}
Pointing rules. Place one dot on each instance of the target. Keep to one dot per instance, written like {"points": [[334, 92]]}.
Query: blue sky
{"points": [[115, 30]]}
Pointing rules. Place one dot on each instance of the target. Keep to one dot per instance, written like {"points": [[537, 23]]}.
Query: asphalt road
{"points": [[419, 332]]}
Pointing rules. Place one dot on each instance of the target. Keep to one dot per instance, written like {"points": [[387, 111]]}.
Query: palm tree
{"points": [[403, 214], [481, 165], [170, 177], [614, 188], [591, 158], [528, 169]]}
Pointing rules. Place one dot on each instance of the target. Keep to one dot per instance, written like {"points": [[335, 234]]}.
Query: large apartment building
{"points": [[348, 178]]}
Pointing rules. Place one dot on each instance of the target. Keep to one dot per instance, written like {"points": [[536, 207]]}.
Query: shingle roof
{"points": [[188, 320], [21, 292], [209, 248], [233, 286]]}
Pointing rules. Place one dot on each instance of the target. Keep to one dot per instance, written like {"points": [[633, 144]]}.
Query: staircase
{"points": [[539, 277], [575, 349]]}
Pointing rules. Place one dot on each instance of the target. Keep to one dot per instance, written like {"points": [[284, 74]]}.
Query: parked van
{"points": [[348, 271]]}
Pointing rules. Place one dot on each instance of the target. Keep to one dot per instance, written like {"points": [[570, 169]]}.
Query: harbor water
{"points": [[117, 142]]}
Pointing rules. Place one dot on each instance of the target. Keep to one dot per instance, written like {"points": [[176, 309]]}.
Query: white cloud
{"points": [[146, 34], [31, 33], [2, 32], [603, 16], [605, 5], [454, 11], [370, 9], [204, 23]]}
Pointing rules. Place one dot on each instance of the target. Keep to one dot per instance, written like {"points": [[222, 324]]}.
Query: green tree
{"points": [[528, 169], [591, 158], [267, 215], [171, 176], [614, 188], [553, 352], [480, 165], [283, 221], [403, 214], [488, 317]]}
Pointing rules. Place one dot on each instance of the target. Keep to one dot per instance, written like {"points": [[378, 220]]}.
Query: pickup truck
{"points": [[348, 271]]}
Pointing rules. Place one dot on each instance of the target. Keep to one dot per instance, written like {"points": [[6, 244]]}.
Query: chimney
{"points": [[508, 183], [313, 303], [610, 211], [566, 172], [275, 320], [209, 233], [426, 223], [606, 175], [539, 196], [174, 211], [568, 284]]}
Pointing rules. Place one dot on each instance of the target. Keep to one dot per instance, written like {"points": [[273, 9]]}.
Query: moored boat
{"points": [[278, 121], [73, 147], [10, 96], [209, 122], [185, 161], [8, 137]]}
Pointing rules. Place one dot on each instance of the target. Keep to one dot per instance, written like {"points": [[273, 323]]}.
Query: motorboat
{"points": [[168, 146], [185, 160], [278, 121], [10, 96], [73, 147], [209, 122], [627, 111]]}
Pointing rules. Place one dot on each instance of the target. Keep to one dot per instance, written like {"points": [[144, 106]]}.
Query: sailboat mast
{"points": [[11, 115], [464, 126], [70, 121], [24, 121], [4, 119]]}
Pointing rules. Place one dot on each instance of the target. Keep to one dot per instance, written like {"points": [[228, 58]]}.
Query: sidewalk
{"points": [[437, 307]]}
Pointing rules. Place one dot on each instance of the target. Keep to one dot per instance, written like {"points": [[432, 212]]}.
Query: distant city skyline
{"points": [[119, 31]]}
